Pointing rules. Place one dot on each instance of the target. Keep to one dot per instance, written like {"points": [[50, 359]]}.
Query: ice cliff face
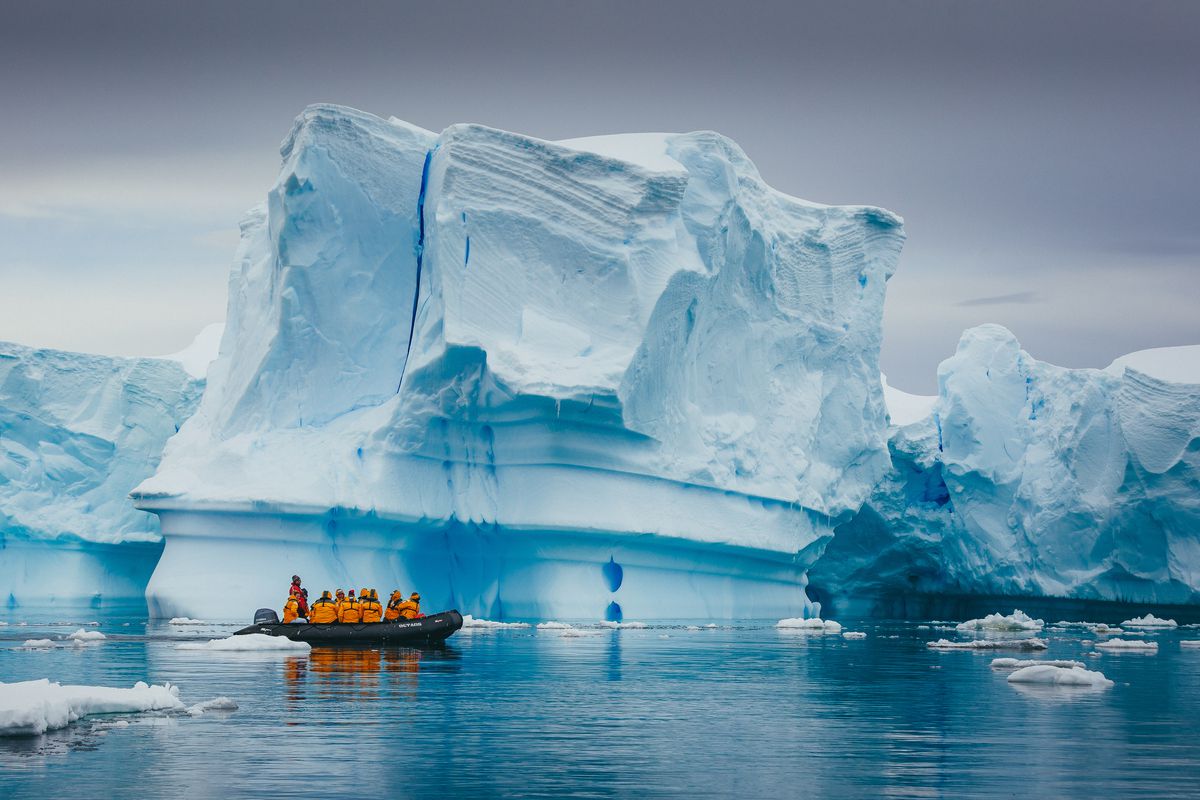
{"points": [[1034, 480], [77, 432], [611, 376]]}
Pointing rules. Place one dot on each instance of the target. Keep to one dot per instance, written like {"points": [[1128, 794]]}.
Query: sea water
{"points": [[670, 710]]}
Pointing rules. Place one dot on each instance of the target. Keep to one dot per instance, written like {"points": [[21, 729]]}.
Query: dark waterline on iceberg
{"points": [[743, 710]]}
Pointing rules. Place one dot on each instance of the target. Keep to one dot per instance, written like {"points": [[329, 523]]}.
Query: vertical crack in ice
{"points": [[412, 325]]}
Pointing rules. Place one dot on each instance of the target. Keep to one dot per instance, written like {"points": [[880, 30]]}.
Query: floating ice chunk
{"points": [[614, 625], [1149, 621], [186, 621], [216, 704], [576, 633], [1021, 663], [87, 636], [38, 644], [1051, 675], [30, 708], [712, 625], [553, 626], [1127, 644], [470, 622], [854, 635], [1016, 621], [989, 644], [246, 643], [1190, 643], [816, 625], [693, 627]]}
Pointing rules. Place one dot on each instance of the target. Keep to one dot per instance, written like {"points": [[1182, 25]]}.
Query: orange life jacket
{"points": [[323, 612], [351, 610], [291, 609], [372, 610], [393, 607], [410, 609]]}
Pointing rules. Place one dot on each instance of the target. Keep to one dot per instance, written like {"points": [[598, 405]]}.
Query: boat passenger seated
{"points": [[351, 609], [324, 610], [393, 607], [372, 609], [291, 609], [411, 608]]}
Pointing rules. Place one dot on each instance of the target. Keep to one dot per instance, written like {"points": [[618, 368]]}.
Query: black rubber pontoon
{"points": [[427, 630]]}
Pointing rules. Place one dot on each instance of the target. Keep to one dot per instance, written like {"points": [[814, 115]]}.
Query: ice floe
{"points": [[1149, 621], [609, 624], [1020, 663], [1190, 643], [470, 622], [216, 704], [186, 621], [30, 708], [87, 636], [854, 635], [1016, 621], [553, 626], [248, 643], [1127, 644], [816, 625], [1051, 675], [38, 644], [989, 644]]}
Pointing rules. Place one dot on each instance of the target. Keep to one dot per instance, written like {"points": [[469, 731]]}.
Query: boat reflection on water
{"points": [[360, 672]]}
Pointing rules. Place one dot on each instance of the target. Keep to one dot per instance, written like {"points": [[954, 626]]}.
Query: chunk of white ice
{"points": [[38, 644], [87, 636], [1020, 663], [1051, 675], [1127, 644], [216, 704], [186, 621], [250, 642], [30, 708], [854, 635], [1149, 621], [1016, 621], [816, 625], [989, 644]]}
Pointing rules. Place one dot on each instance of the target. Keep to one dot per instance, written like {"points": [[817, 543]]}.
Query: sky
{"points": [[1044, 155]]}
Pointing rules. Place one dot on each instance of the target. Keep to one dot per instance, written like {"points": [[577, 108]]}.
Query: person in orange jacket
{"points": [[324, 610], [393, 607], [351, 609], [291, 609], [411, 608], [372, 609]]}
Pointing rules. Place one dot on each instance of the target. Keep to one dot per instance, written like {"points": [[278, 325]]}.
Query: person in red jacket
{"points": [[301, 596]]}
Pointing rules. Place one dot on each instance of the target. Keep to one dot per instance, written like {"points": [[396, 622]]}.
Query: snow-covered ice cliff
{"points": [[77, 432], [611, 376], [1027, 479]]}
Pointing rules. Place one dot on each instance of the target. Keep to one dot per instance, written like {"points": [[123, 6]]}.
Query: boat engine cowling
{"points": [[266, 616]]}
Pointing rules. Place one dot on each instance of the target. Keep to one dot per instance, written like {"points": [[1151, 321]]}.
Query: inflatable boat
{"points": [[426, 630]]}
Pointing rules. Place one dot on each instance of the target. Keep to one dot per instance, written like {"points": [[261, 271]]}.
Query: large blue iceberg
{"points": [[1024, 479], [76, 433], [618, 376]]}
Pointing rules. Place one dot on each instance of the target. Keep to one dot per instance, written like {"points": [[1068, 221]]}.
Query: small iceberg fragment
{"points": [[87, 636], [1016, 621], [30, 708], [1051, 675], [186, 621], [989, 644], [553, 626], [38, 644], [248, 643], [1021, 663], [1127, 644], [1149, 621], [815, 625], [616, 625], [1190, 644], [216, 704], [470, 622], [854, 635], [693, 627]]}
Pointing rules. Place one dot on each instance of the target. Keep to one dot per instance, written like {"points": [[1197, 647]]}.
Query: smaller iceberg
{"points": [[1127, 644], [1052, 675], [816, 625], [989, 644], [1021, 663], [1149, 621], [30, 708], [1016, 621]]}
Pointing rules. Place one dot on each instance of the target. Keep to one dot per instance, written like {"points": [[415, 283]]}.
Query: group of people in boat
{"points": [[345, 607]]}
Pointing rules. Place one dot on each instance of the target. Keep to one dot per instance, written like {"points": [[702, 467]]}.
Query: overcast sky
{"points": [[1043, 154]]}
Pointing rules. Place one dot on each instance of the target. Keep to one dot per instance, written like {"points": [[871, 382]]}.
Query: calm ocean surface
{"points": [[744, 710]]}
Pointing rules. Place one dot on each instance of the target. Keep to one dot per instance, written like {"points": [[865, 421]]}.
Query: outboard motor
{"points": [[266, 616]]}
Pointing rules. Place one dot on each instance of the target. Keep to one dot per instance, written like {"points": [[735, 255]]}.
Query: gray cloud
{"points": [[1044, 148], [1015, 298]]}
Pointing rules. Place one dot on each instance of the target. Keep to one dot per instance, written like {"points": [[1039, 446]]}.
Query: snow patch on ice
{"points": [[904, 408], [203, 350], [1052, 675], [1174, 364], [247, 643], [30, 708]]}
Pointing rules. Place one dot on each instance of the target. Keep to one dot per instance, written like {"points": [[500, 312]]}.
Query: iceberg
{"points": [[594, 379], [1053, 675], [1032, 480], [30, 708], [77, 432]]}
